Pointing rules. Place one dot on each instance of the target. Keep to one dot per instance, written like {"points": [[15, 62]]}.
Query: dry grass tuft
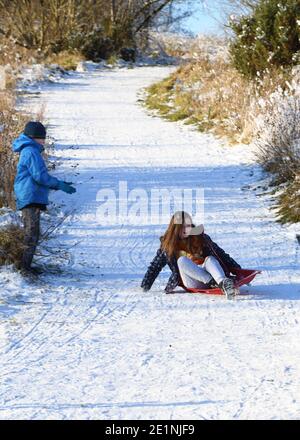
{"points": [[11, 245], [66, 59], [288, 208]]}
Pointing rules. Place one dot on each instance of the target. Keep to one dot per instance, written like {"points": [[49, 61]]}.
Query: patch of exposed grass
{"points": [[288, 207], [112, 59], [159, 95], [202, 93], [65, 59]]}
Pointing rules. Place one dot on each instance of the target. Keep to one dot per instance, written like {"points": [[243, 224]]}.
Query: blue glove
{"points": [[66, 187]]}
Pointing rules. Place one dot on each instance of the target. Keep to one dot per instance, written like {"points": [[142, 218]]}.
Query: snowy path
{"points": [[87, 343]]}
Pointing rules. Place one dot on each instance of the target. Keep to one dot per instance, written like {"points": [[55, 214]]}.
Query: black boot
{"points": [[29, 272], [212, 284]]}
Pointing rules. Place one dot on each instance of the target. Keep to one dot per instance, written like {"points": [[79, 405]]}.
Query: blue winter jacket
{"points": [[32, 182]]}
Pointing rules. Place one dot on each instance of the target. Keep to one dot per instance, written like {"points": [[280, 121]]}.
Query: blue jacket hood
{"points": [[24, 141], [32, 182]]}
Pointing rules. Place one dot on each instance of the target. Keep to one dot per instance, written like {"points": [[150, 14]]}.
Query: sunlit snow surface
{"points": [[87, 343]]}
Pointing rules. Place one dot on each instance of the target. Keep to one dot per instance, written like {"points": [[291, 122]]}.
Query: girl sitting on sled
{"points": [[194, 259]]}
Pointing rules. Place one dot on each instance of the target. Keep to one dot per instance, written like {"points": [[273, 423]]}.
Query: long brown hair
{"points": [[171, 241]]}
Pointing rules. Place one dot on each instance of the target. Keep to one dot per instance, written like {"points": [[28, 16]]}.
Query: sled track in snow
{"points": [[60, 315], [88, 343]]}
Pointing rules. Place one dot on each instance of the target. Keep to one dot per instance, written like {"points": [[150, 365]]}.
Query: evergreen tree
{"points": [[270, 36]]}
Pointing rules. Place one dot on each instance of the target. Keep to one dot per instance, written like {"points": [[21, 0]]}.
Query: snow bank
{"points": [[190, 47], [37, 75]]}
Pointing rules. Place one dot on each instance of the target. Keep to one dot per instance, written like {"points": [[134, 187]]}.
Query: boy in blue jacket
{"points": [[32, 185]]}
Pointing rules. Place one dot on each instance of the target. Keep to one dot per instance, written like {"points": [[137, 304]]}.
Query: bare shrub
{"points": [[50, 250], [59, 25], [11, 125], [278, 134]]}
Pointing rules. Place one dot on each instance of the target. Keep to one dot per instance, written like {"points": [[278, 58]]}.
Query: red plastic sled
{"points": [[242, 276]]}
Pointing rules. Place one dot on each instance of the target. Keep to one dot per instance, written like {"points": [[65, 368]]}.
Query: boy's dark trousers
{"points": [[31, 220]]}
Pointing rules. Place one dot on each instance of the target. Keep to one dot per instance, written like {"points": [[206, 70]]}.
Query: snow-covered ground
{"points": [[87, 343]]}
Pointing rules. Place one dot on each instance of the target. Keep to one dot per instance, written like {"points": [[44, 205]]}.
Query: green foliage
{"points": [[159, 95], [269, 37]]}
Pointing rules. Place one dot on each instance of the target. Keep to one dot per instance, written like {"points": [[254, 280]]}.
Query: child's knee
{"points": [[182, 261], [209, 259]]}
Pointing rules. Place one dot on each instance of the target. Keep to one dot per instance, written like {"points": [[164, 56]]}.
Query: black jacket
{"points": [[161, 259]]}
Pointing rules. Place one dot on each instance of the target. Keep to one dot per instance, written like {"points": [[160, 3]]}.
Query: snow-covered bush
{"points": [[278, 133], [189, 48], [278, 146]]}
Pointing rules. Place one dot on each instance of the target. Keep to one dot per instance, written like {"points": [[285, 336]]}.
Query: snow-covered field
{"points": [[87, 343]]}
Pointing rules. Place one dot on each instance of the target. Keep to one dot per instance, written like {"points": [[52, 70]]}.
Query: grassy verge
{"points": [[213, 96], [204, 93], [66, 60], [288, 206]]}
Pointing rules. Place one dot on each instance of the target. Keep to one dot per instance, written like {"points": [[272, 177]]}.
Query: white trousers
{"points": [[196, 276]]}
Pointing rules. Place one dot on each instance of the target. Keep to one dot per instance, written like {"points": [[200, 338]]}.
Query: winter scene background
{"points": [[160, 94]]}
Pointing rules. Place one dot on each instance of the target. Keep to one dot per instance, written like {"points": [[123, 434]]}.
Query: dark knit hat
{"points": [[35, 130]]}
